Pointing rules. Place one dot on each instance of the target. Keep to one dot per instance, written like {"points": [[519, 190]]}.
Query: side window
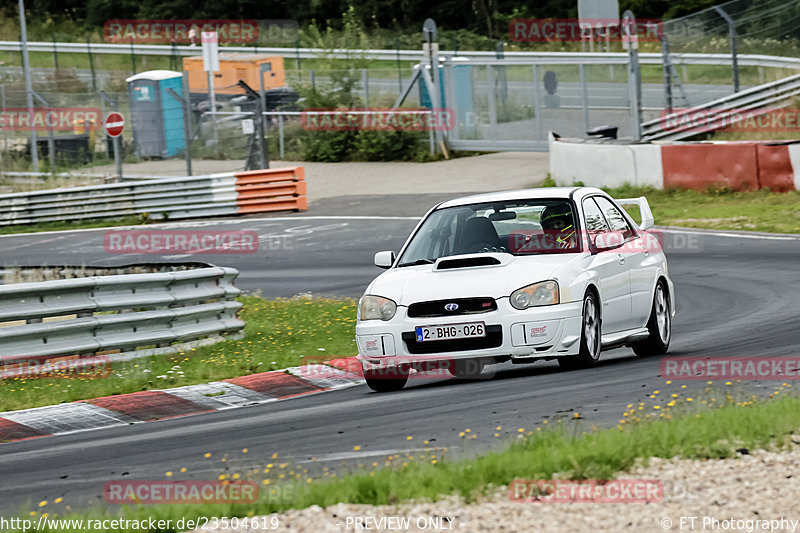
{"points": [[595, 222], [615, 219]]}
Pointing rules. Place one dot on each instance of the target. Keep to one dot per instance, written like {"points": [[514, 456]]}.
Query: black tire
{"points": [[467, 368], [386, 379], [591, 335], [659, 325]]}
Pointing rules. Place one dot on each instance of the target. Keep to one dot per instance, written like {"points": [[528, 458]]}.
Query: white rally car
{"points": [[552, 273]]}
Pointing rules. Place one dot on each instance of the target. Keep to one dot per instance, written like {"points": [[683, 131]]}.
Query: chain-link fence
{"points": [[737, 27]]}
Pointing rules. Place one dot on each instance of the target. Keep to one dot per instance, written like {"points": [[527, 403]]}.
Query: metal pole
{"points": [[26, 67], [212, 106], [431, 143], [732, 38], [492, 102], [634, 93], [102, 115], [3, 106], [537, 104], [584, 96], [365, 84], [188, 124], [399, 69], [118, 158], [280, 132], [55, 53], [133, 58], [91, 62], [665, 61], [634, 74]]}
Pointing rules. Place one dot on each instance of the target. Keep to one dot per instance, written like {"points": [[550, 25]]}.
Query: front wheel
{"points": [[659, 325], [589, 352], [386, 379]]}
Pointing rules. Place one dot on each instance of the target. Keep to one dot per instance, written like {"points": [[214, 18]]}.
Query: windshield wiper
{"points": [[417, 262]]}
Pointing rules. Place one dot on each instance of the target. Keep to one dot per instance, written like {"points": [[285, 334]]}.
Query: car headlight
{"points": [[376, 308], [542, 293]]}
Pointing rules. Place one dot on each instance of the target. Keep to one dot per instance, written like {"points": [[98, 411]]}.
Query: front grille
{"points": [[466, 306], [493, 339]]}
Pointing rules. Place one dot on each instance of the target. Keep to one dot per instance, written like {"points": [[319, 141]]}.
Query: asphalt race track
{"points": [[734, 297]]}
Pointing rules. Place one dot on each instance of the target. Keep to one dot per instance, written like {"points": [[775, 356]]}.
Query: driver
{"points": [[557, 221]]}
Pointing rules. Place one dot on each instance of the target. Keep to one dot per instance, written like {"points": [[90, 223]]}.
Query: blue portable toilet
{"points": [[156, 115], [464, 88]]}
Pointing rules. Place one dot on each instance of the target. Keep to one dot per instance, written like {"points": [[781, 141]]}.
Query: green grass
{"points": [[761, 210], [568, 450], [279, 334]]}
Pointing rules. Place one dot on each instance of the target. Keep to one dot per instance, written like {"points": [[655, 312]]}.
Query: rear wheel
{"points": [[386, 379], [589, 352], [659, 325]]}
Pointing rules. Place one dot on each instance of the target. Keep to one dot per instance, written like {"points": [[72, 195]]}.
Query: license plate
{"points": [[450, 331]]}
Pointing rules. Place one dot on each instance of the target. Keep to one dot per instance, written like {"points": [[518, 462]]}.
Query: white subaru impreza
{"points": [[552, 273]]}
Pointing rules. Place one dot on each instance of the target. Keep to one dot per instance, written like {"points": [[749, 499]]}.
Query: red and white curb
{"points": [[147, 406]]}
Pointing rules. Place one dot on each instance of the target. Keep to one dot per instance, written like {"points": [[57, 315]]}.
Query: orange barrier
{"points": [[775, 167], [704, 165], [281, 189]]}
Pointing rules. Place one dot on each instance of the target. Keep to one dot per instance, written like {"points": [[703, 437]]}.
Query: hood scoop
{"points": [[467, 262]]}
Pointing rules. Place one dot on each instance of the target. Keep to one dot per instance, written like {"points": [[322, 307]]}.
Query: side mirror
{"points": [[385, 259], [608, 240]]}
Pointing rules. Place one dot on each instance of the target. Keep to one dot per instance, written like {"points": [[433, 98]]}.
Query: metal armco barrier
{"points": [[756, 60], [681, 124], [134, 315], [229, 193]]}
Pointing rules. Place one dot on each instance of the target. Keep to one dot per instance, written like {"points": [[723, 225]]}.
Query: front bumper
{"points": [[534, 333]]}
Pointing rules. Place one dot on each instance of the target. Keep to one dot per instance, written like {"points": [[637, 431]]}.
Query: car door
{"points": [[612, 272], [642, 264]]}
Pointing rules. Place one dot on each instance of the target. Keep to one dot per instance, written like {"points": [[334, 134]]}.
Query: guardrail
{"points": [[77, 322], [753, 60], [689, 122], [228, 193]]}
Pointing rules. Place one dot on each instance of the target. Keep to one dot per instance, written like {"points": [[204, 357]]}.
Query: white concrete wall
{"points": [[794, 157], [605, 165]]}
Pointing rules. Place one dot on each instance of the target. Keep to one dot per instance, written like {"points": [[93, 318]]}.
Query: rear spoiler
{"points": [[644, 209]]}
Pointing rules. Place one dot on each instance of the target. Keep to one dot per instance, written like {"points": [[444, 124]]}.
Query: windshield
{"points": [[518, 227]]}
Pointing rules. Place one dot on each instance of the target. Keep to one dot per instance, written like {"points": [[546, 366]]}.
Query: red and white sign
{"points": [[210, 51], [114, 124]]}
